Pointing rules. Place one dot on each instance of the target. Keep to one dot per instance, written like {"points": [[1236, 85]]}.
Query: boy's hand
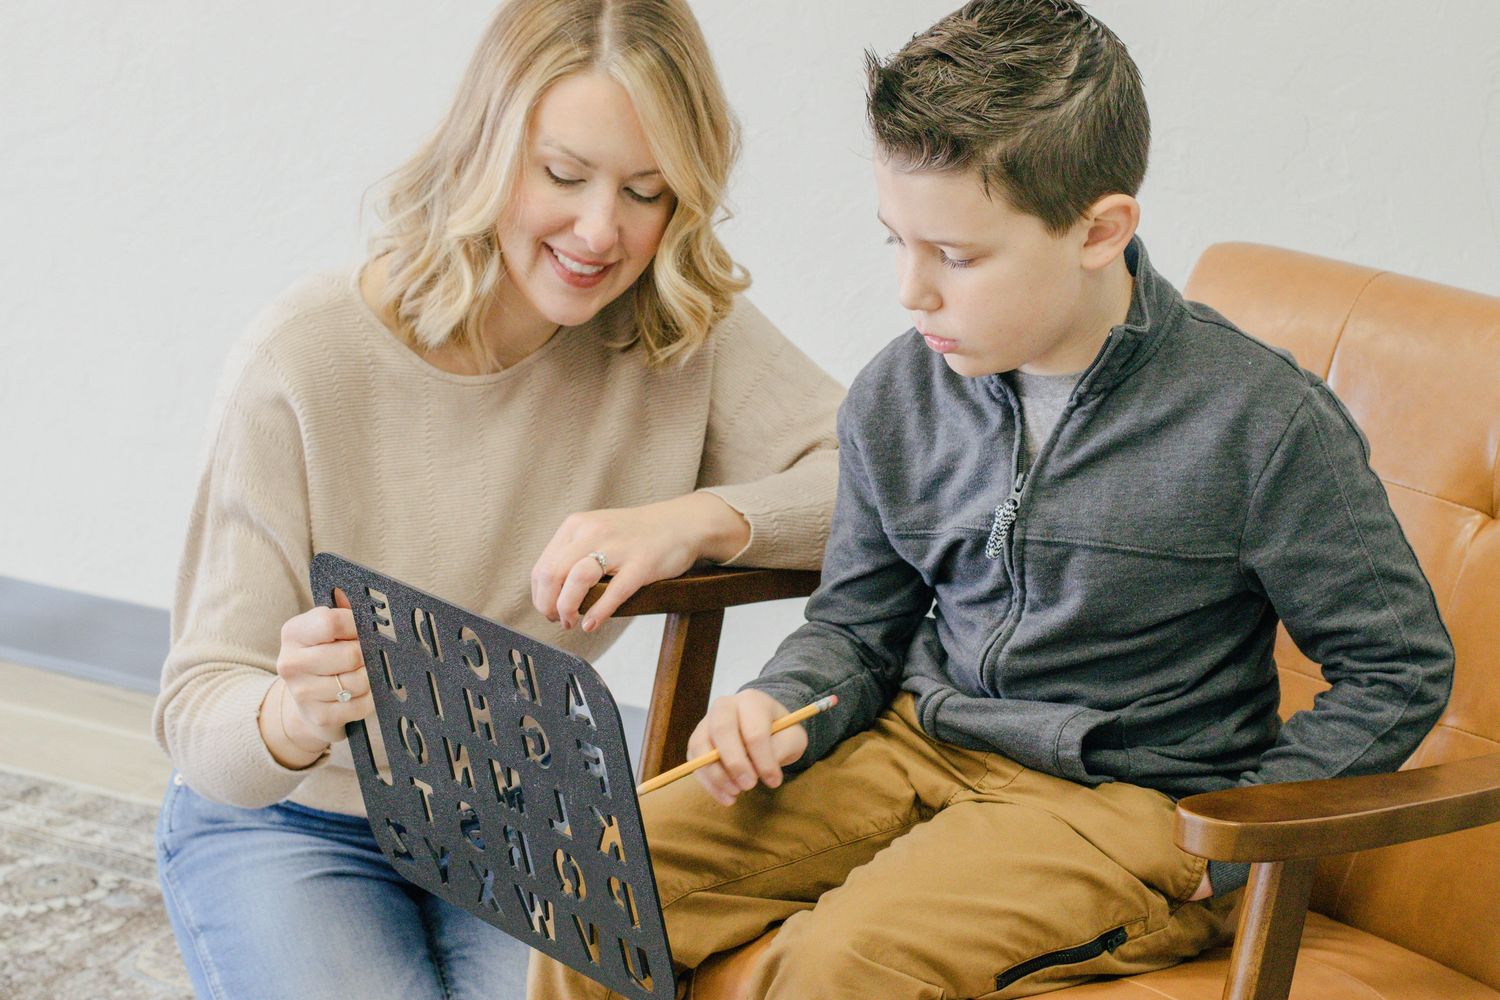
{"points": [[1205, 889], [739, 727]]}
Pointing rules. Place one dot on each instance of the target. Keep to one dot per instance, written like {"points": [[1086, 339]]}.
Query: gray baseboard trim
{"points": [[116, 642], [96, 638]]}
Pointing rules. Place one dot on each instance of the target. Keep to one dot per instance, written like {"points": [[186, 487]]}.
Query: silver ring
{"points": [[343, 694], [599, 558]]}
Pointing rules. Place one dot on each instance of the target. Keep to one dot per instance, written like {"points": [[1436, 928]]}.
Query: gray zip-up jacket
{"points": [[1198, 487]]}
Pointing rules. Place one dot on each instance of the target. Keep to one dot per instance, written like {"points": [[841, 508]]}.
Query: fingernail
{"points": [[589, 624]]}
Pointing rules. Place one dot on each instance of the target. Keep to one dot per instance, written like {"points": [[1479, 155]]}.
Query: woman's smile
{"points": [[575, 271]]}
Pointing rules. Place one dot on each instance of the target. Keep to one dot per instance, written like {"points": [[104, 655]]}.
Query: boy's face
{"points": [[987, 286]]}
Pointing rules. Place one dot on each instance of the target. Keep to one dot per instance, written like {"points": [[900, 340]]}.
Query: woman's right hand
{"points": [[319, 654], [739, 727]]}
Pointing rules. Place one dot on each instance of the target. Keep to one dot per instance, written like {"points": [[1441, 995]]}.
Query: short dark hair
{"points": [[1037, 95]]}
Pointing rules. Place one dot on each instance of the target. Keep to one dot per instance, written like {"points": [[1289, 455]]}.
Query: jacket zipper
{"points": [[1002, 523], [1004, 519], [1108, 941]]}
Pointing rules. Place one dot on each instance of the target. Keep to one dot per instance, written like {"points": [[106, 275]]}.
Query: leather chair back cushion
{"points": [[1418, 365]]}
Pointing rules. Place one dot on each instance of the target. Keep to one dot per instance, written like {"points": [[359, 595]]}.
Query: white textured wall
{"points": [[169, 166]]}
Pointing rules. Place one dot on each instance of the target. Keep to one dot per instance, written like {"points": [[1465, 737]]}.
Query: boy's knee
{"points": [[813, 958]]}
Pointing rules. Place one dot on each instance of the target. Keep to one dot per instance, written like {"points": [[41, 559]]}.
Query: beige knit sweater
{"points": [[330, 434]]}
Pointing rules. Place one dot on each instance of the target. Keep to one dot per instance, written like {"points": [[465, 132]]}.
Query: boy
{"points": [[1072, 507]]}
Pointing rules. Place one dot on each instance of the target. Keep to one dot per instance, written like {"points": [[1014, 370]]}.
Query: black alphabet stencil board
{"points": [[510, 791]]}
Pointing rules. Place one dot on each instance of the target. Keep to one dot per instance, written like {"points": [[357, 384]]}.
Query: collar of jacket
{"points": [[1153, 306]]}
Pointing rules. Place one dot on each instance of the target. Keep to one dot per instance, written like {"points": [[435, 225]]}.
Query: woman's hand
{"points": [[739, 727], [640, 545], [319, 657]]}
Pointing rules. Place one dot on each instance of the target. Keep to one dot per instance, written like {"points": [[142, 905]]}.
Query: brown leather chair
{"points": [[1415, 914]]}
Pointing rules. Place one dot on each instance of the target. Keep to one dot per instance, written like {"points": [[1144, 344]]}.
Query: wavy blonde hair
{"points": [[441, 209]]}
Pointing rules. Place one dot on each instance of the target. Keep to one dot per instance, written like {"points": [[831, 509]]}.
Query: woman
{"points": [[547, 324]]}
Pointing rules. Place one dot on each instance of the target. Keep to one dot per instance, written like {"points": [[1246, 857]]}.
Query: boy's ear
{"points": [[1108, 227]]}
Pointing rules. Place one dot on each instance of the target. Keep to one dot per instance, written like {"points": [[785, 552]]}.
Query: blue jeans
{"points": [[289, 901]]}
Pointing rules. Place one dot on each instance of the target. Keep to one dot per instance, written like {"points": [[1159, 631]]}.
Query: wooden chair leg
{"points": [[679, 697], [1265, 947]]}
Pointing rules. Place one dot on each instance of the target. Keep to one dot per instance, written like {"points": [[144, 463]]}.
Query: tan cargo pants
{"points": [[900, 867]]}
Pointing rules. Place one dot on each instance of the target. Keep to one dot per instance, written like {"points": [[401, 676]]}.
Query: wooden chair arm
{"points": [[1312, 819], [694, 604], [1284, 828], [713, 587]]}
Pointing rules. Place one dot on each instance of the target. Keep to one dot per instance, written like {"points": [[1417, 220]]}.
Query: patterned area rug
{"points": [[80, 912]]}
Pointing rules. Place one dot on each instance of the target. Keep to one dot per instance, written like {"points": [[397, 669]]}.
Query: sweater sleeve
{"points": [[860, 621], [770, 450], [243, 574], [1324, 546]]}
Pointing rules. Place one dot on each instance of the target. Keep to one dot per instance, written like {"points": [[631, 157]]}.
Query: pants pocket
{"points": [[166, 843], [1089, 950]]}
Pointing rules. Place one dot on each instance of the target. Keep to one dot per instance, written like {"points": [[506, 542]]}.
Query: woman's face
{"points": [[591, 205]]}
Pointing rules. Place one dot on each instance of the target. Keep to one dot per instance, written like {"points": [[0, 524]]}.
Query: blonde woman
{"points": [[544, 374]]}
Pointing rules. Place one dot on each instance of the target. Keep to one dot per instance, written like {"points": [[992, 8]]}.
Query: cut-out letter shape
{"points": [[468, 825], [398, 841], [534, 742], [593, 763], [380, 610], [458, 763], [399, 690], [609, 836], [560, 824], [437, 699], [517, 850], [479, 715], [569, 875], [440, 857], [470, 639], [426, 791], [636, 964], [578, 707], [588, 936], [427, 632], [625, 899], [507, 787], [538, 911], [486, 879], [411, 739], [523, 672]]}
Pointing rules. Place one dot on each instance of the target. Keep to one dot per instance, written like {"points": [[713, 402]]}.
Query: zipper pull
{"points": [[1005, 517]]}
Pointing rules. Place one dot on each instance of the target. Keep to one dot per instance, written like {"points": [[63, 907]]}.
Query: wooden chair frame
{"points": [[1283, 829]]}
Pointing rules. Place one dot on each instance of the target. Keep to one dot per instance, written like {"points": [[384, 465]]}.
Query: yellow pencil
{"points": [[682, 770]]}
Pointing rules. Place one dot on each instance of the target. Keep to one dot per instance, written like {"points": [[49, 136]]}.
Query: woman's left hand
{"points": [[640, 545]]}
